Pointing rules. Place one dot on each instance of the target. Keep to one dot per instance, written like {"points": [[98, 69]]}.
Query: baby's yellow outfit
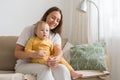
{"points": [[35, 44]]}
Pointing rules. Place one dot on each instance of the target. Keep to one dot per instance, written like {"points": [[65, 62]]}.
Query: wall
{"points": [[16, 14]]}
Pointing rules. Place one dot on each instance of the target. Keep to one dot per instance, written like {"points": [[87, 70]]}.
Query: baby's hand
{"points": [[52, 62], [49, 61], [41, 53]]}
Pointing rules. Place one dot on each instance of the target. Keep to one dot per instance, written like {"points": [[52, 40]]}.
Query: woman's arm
{"points": [[53, 62], [57, 51], [21, 54]]}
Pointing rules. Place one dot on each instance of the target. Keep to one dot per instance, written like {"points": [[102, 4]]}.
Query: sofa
{"points": [[7, 60]]}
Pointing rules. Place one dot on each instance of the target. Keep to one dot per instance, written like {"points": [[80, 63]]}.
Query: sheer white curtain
{"points": [[110, 32]]}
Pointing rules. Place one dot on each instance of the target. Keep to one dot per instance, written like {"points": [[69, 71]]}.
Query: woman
{"points": [[53, 17]]}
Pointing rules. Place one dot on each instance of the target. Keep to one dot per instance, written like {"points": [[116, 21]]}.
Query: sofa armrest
{"points": [[93, 73]]}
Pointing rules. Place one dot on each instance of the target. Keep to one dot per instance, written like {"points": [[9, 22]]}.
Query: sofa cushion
{"points": [[7, 46], [6, 72], [12, 76]]}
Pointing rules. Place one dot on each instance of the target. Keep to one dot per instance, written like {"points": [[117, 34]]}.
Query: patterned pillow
{"points": [[88, 57]]}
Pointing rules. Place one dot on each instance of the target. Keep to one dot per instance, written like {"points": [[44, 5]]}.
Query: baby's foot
{"points": [[75, 75]]}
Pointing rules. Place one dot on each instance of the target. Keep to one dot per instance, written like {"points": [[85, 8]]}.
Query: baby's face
{"points": [[43, 31]]}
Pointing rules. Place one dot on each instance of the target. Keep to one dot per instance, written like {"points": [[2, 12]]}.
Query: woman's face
{"points": [[53, 19]]}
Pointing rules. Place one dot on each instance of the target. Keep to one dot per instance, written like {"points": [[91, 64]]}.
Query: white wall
{"points": [[16, 14]]}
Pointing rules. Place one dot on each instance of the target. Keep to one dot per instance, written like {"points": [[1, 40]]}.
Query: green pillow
{"points": [[88, 57]]}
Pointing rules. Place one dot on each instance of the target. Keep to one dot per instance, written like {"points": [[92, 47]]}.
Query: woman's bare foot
{"points": [[75, 75]]}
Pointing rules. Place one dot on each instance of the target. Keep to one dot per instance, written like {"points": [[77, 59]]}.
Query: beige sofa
{"points": [[7, 59]]}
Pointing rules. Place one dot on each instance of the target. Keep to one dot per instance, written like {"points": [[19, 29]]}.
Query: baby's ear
{"points": [[29, 77]]}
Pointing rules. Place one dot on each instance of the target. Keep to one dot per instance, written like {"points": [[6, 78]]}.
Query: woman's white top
{"points": [[27, 33]]}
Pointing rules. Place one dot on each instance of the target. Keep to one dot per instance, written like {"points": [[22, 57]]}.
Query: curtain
{"points": [[109, 32]]}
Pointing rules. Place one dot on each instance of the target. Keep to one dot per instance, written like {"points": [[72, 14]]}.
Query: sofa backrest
{"points": [[7, 46]]}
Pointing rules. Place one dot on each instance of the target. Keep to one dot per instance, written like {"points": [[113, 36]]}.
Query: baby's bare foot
{"points": [[75, 75]]}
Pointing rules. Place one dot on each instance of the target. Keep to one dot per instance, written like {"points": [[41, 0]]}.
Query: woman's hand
{"points": [[38, 54], [53, 61]]}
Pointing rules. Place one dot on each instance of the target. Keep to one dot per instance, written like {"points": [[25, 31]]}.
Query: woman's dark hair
{"points": [[58, 28]]}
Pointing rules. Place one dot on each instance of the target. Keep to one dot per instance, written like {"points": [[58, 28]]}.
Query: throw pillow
{"points": [[88, 57], [66, 51]]}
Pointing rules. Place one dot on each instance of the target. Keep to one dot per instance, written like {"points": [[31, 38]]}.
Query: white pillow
{"points": [[66, 51]]}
